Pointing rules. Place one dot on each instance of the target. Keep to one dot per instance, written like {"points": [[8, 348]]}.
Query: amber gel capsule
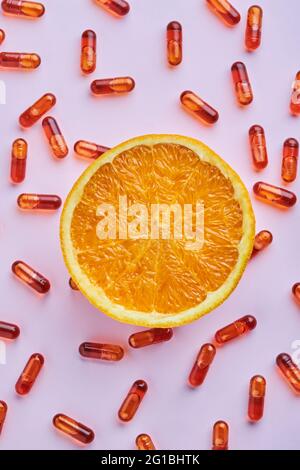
{"points": [[9, 330], [290, 160], [253, 28], [257, 391], [295, 98], [174, 43], [262, 240], [23, 8], [18, 161], [19, 60], [37, 110], [88, 51], [278, 196], [31, 277], [204, 359], [89, 149], [258, 146], [290, 370], [55, 138], [109, 86], [29, 374], [242, 84], [235, 329], [296, 291], [144, 442], [74, 429], [116, 7], [72, 284], [220, 436], [224, 10], [105, 352], [198, 107], [43, 202], [133, 400], [148, 337], [3, 411], [2, 36]]}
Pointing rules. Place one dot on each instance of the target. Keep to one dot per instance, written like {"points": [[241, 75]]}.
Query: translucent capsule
{"points": [[19, 60], [290, 160], [224, 10], [3, 411], [290, 371], [257, 391], [37, 110], [108, 86], [9, 330], [273, 194], [235, 329], [23, 8], [258, 147], [72, 284], [144, 442], [74, 429], [2, 36], [55, 138], [174, 43], [31, 277], [295, 98], [42, 202], [133, 400], [148, 337], [116, 7], [220, 436], [88, 51], [18, 160], [198, 107], [204, 359], [296, 291], [89, 149], [262, 240], [29, 374], [253, 28], [105, 352], [242, 83]]}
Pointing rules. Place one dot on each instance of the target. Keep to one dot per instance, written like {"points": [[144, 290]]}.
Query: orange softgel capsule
{"points": [[18, 160], [204, 359], [74, 429], [43, 202], [262, 240], [73, 284], [144, 442], [133, 400], [257, 391], [220, 436], [55, 138], [198, 107], [296, 291], [290, 370], [109, 86], [29, 374], [235, 329], [105, 352], [2, 36], [23, 8], [88, 51], [290, 160], [258, 146], [37, 110], [116, 7], [174, 43], [148, 337], [31, 277], [224, 10], [9, 330], [242, 84], [295, 98], [89, 149], [19, 60], [3, 411], [253, 28], [278, 196]]}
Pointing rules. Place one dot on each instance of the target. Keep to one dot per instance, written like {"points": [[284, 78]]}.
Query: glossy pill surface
{"points": [[133, 400], [274, 194], [23, 8], [3, 412], [295, 98], [89, 150], [174, 43], [88, 51], [105, 352], [43, 202], [253, 28], [225, 11], [2, 36], [204, 359], [19, 60], [73, 284], [144, 442], [29, 374], [237, 328], [258, 147], [256, 403], [9, 330], [18, 160], [116, 7], [290, 160], [296, 291], [290, 370], [109, 86], [148, 337], [37, 110], [242, 85], [74, 429], [199, 108], [31, 277], [220, 436], [55, 138], [262, 240]]}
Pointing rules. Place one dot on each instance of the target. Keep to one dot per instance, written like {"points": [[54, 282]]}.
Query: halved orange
{"points": [[159, 282]]}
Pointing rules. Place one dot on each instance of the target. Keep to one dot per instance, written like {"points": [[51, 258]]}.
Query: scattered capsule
{"points": [[23, 8], [290, 160], [224, 10], [290, 370], [273, 194], [258, 147], [253, 28], [3, 411], [108, 86], [55, 138], [89, 149], [18, 160], [29, 374], [2, 36], [174, 43], [42, 202], [220, 436], [242, 83], [105, 352], [144, 442], [296, 291], [295, 98], [262, 240], [31, 277], [9, 330], [198, 107], [116, 7], [133, 400], [88, 51], [200, 368], [148, 337], [72, 284], [257, 391], [235, 329], [74, 429], [19, 60], [37, 110]]}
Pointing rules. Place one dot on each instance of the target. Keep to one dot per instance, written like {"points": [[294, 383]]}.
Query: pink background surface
{"points": [[174, 415]]}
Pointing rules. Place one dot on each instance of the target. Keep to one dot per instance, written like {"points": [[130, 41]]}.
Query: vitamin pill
{"points": [[253, 28], [198, 107], [31, 277], [295, 98], [3, 411], [29, 374], [235, 329], [133, 400], [18, 161], [174, 43], [8, 330], [144, 442], [273, 194], [105, 352], [23, 8], [37, 110], [262, 239], [148, 337], [258, 147], [2, 36], [19, 60], [290, 160], [224, 10], [55, 138], [89, 149], [72, 284], [74, 429], [290, 370], [204, 359], [296, 291], [242, 83], [43, 202], [88, 51], [257, 391], [116, 7], [220, 436], [108, 86]]}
